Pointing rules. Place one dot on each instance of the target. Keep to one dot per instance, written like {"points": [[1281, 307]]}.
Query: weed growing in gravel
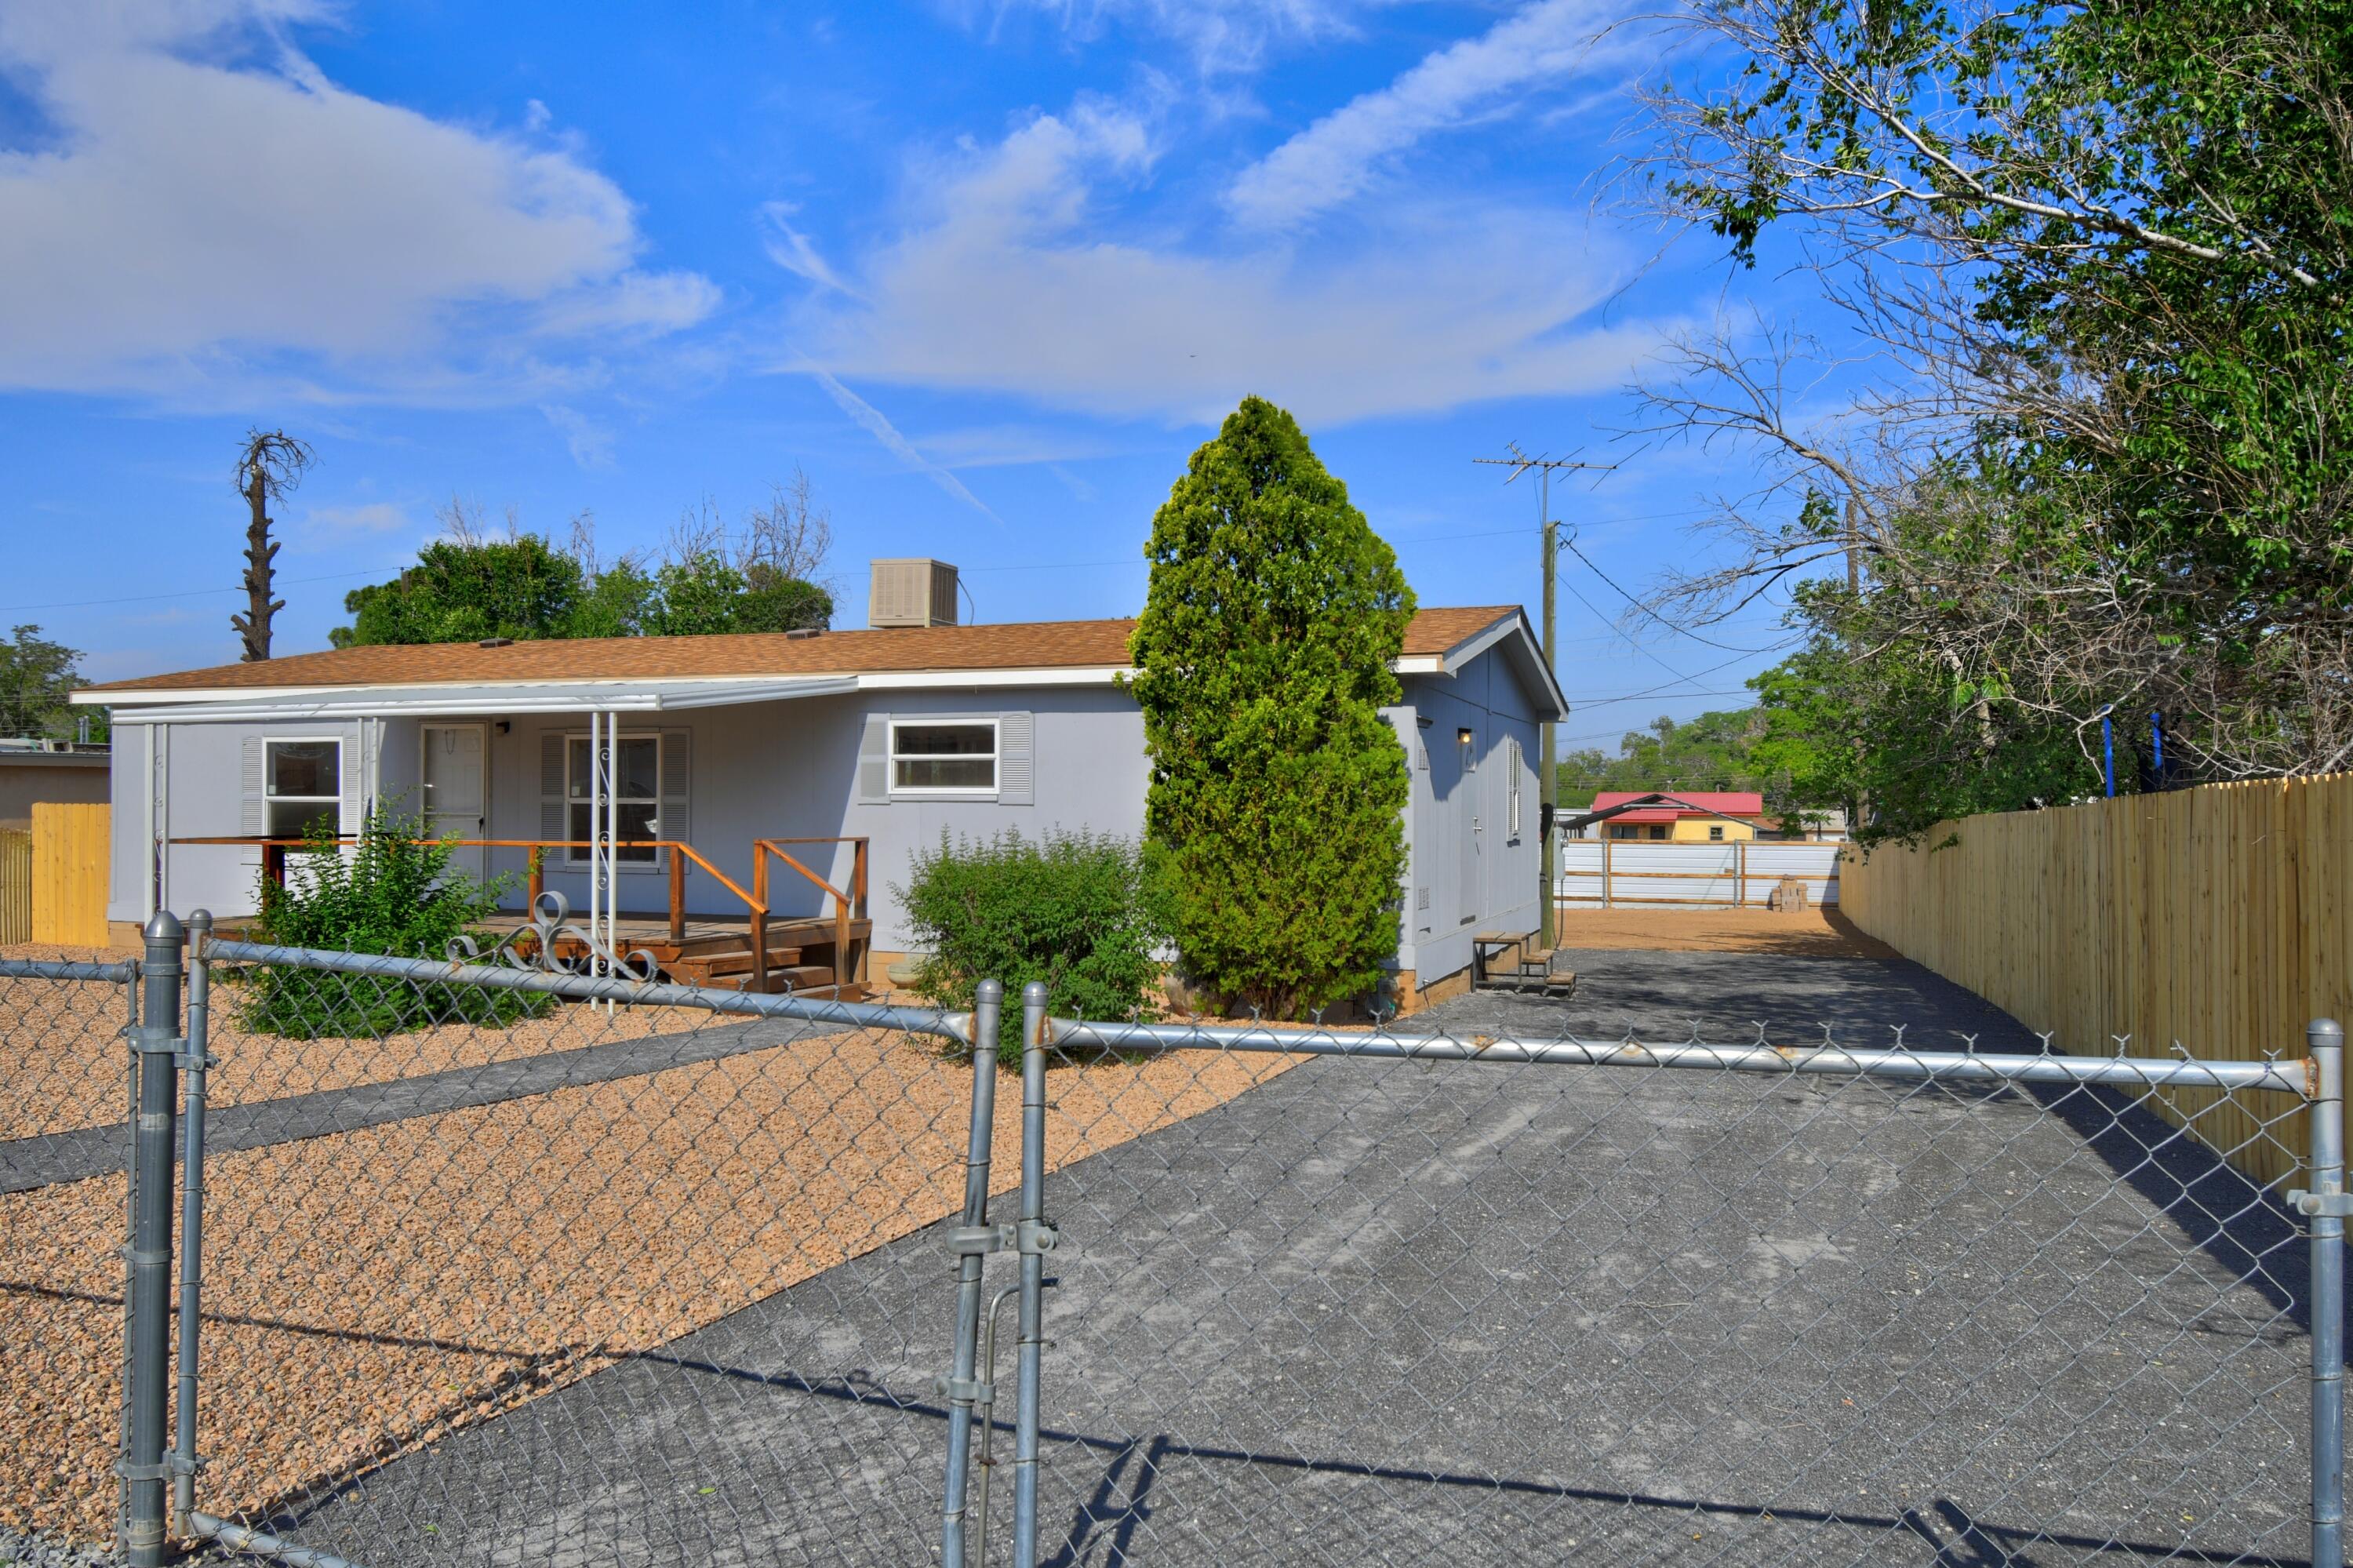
{"points": [[392, 891]]}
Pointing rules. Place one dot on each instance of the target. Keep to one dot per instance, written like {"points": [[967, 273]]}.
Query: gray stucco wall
{"points": [[789, 769], [1468, 872]]}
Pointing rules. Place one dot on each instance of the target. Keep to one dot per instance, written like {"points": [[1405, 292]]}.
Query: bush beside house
{"points": [[392, 891], [1074, 910]]}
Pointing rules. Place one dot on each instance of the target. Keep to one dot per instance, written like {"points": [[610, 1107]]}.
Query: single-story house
{"points": [[844, 752], [1684, 817]]}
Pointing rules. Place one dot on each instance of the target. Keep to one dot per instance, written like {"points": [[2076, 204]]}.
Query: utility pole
{"points": [[1548, 778]]}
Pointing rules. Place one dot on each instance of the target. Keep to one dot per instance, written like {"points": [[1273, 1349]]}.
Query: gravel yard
{"points": [[60, 1052], [369, 1291]]}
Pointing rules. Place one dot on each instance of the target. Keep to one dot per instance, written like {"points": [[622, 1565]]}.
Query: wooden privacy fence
{"points": [[16, 884], [68, 873], [2219, 917]]}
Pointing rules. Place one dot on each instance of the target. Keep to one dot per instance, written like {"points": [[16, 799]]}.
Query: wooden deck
{"points": [[717, 950]]}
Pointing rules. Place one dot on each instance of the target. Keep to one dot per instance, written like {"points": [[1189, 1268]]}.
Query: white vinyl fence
{"points": [[1611, 872]]}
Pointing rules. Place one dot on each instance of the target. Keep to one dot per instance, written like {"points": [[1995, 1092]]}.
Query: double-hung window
{"points": [[931, 756], [637, 794], [301, 784]]}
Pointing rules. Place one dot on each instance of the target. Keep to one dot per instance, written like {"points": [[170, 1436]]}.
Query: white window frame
{"points": [[942, 792], [334, 803], [585, 858], [1511, 798]]}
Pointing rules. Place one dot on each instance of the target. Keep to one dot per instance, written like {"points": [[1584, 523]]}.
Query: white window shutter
{"points": [[551, 824], [355, 770], [677, 793], [1016, 766], [874, 761], [253, 819]]}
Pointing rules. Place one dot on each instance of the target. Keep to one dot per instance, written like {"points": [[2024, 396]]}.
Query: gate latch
{"points": [[1024, 1236], [2321, 1205]]}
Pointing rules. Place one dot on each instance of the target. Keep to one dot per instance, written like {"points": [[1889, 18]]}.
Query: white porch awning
{"points": [[491, 700]]}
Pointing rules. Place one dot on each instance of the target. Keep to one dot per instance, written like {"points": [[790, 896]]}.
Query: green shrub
{"points": [[1075, 910], [388, 892]]}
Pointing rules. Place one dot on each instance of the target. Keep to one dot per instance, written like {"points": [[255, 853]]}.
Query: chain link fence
{"points": [[521, 1258]]}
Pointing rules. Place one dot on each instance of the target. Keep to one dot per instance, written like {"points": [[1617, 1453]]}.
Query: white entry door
{"points": [[457, 793]]}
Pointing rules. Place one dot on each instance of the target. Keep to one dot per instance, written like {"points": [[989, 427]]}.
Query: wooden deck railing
{"points": [[274, 850], [847, 906]]}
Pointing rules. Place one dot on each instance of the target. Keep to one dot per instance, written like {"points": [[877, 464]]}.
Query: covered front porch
{"points": [[660, 812]]}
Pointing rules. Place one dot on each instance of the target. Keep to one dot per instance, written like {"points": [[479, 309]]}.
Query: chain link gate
{"points": [[480, 1262], [517, 1257], [1496, 1300]]}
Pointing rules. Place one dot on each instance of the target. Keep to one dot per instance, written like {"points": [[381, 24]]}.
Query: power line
{"points": [[183, 593]]}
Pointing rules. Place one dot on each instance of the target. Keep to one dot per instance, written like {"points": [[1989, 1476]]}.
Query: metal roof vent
{"points": [[914, 591], [495, 643]]}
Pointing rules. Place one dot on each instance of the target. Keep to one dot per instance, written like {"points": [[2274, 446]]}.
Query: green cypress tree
{"points": [[1263, 663]]}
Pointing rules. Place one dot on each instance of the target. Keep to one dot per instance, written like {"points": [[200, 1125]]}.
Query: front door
{"points": [[457, 793]]}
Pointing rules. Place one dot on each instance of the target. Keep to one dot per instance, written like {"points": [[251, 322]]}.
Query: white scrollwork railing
{"points": [[534, 946]]}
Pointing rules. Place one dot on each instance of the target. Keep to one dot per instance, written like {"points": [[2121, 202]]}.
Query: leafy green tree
{"points": [[1922, 761], [463, 592], [1263, 663], [1714, 751], [2109, 247], [37, 678], [622, 600], [775, 601], [696, 596]]}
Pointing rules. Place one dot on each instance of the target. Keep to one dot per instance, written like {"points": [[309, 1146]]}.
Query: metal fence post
{"points": [[1035, 1239], [987, 1008], [130, 1224], [2325, 1041], [157, 1046], [192, 1220]]}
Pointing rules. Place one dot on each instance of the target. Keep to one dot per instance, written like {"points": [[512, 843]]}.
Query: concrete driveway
{"points": [[1466, 1313]]}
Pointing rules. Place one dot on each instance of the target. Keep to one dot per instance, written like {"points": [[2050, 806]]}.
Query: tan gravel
{"points": [[340, 1326], [1810, 933], [60, 1052]]}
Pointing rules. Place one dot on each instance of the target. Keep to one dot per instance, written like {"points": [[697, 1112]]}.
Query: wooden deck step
{"points": [[710, 966], [805, 979]]}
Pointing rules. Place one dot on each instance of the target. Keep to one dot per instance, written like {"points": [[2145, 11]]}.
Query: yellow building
{"points": [[1687, 817]]}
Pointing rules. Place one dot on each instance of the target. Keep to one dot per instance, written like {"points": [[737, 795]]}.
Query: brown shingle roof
{"points": [[1031, 645]]}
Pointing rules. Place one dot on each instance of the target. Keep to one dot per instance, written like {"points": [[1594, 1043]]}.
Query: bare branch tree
{"points": [[791, 534]]}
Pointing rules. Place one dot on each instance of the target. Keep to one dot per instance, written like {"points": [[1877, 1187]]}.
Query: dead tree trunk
{"points": [[271, 464]]}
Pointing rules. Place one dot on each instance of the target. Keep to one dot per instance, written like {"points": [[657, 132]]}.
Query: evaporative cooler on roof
{"points": [[918, 591]]}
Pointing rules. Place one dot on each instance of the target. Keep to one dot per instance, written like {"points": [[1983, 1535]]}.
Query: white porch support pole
{"points": [[611, 834]]}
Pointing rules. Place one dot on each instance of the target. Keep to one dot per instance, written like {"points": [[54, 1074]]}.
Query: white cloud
{"points": [[872, 421], [1330, 162], [1004, 285], [1222, 35], [322, 525], [790, 249], [591, 444], [197, 217]]}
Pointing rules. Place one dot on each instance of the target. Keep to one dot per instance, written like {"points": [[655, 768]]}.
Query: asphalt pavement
{"points": [[1464, 1312]]}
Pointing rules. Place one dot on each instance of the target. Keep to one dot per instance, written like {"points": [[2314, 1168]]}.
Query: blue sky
{"points": [[987, 272]]}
